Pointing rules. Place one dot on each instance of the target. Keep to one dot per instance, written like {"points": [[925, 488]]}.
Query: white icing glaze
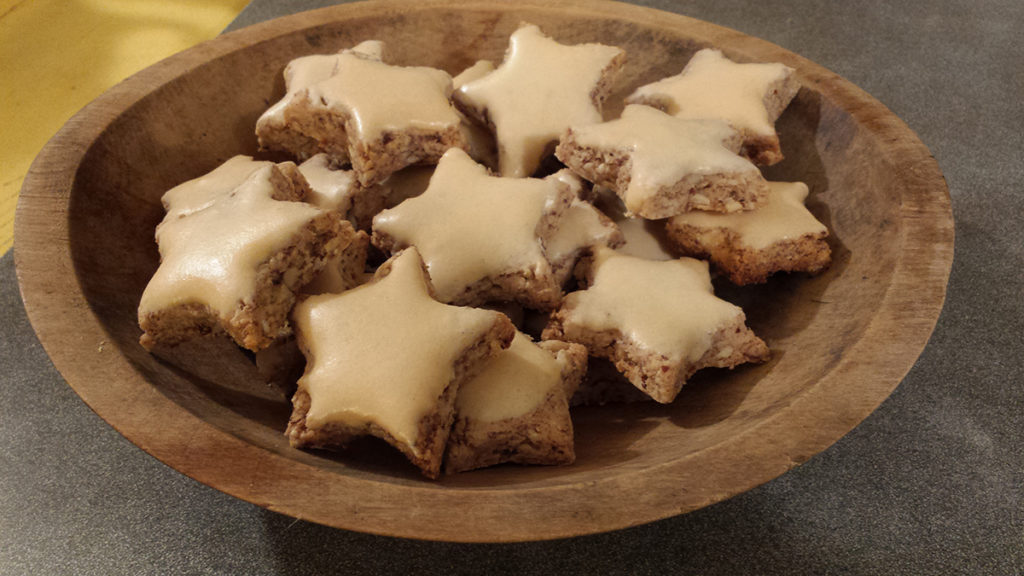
{"points": [[384, 352], [200, 192], [478, 70], [663, 150], [514, 383], [301, 73], [712, 86], [380, 97], [779, 217], [469, 225], [331, 189], [579, 227], [540, 89], [211, 256], [667, 307]]}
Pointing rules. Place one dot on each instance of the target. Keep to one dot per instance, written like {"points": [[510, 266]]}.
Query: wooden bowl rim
{"points": [[106, 380]]}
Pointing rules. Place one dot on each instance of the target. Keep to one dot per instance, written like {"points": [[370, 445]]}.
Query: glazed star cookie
{"points": [[274, 132], [661, 166], [750, 97], [481, 236], [659, 322], [386, 359], [780, 235], [233, 255], [517, 408], [540, 89], [582, 226], [378, 116]]}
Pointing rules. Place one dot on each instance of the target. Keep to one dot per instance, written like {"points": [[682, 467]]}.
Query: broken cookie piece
{"points": [[750, 97], [659, 322], [540, 89], [780, 235], [662, 166], [386, 359], [481, 236], [517, 408], [233, 256]]}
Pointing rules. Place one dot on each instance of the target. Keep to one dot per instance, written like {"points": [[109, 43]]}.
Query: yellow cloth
{"points": [[58, 55]]}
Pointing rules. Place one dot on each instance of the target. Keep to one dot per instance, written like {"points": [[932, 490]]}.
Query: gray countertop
{"points": [[930, 483]]}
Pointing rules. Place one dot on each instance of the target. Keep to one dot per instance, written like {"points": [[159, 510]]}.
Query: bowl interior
{"points": [[207, 115], [179, 126]]}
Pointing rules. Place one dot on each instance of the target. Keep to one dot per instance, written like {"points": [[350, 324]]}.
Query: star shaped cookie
{"points": [[386, 359], [234, 254], [379, 117], [750, 97], [481, 236], [274, 132], [540, 89], [661, 165], [658, 321], [780, 235]]}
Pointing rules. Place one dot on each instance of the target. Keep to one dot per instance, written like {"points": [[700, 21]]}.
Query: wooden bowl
{"points": [[842, 341]]}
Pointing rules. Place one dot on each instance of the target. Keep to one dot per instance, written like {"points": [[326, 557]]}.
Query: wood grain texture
{"points": [[842, 341]]}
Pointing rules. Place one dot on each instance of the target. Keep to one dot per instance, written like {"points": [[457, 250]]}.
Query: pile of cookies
{"points": [[425, 235]]}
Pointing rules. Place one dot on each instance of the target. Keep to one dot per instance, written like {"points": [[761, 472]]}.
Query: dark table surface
{"points": [[930, 483]]}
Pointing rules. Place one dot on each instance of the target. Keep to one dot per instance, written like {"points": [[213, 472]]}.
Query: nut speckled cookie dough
{"points": [[659, 322], [780, 235], [379, 117]]}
